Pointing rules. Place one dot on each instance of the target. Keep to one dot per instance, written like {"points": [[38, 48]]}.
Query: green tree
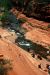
{"points": [[5, 3]]}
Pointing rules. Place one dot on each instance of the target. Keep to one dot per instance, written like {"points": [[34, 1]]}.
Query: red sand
{"points": [[22, 65]]}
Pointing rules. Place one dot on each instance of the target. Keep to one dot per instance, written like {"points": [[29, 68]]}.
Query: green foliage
{"points": [[3, 17], [45, 28], [49, 47], [30, 24], [5, 66], [22, 20], [0, 18], [29, 6], [2, 70], [5, 3], [49, 26], [8, 16], [21, 3]]}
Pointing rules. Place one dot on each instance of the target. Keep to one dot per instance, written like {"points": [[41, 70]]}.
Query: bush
{"points": [[29, 7], [49, 26], [4, 16], [2, 70], [30, 24], [45, 27], [22, 20], [21, 3], [5, 66], [6, 4]]}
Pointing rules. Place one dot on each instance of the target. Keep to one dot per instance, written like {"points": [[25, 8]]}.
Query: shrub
{"points": [[30, 24], [21, 3], [29, 8], [22, 20], [4, 15], [5, 3], [5, 66], [2, 70], [49, 26], [45, 27]]}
